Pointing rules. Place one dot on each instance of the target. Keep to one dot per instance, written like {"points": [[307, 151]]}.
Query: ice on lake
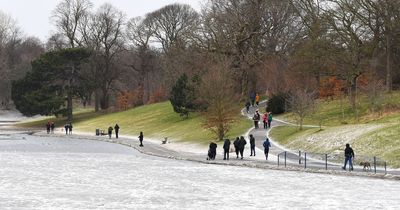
{"points": [[51, 173]]}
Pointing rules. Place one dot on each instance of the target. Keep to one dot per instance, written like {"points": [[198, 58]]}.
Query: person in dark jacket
{"points": [[48, 127], [256, 118], [116, 128], [66, 126], [266, 145], [52, 127], [227, 145], [70, 128], [236, 145], [247, 106], [242, 143], [252, 145], [212, 151], [110, 129], [349, 155], [141, 139]]}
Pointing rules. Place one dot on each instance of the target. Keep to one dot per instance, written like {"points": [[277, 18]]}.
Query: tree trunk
{"points": [[69, 104], [353, 92], [104, 99], [388, 65], [96, 101]]}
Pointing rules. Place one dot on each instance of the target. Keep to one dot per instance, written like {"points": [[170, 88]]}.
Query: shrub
{"points": [[277, 103]]}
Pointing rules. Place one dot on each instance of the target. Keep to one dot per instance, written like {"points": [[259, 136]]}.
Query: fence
{"points": [[330, 161]]}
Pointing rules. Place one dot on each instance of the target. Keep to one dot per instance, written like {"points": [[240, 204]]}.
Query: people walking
{"points": [[247, 106], [212, 151], [257, 99], [266, 145], [110, 129], [52, 127], [242, 143], [141, 139], [252, 98], [70, 128], [227, 145], [265, 120], [48, 127], [269, 119], [66, 127], [236, 145], [349, 155], [256, 119], [116, 128], [252, 145]]}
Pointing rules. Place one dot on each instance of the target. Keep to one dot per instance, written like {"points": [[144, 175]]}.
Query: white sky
{"points": [[33, 16]]}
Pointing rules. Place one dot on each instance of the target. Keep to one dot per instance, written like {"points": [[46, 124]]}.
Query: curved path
{"points": [[292, 157]]}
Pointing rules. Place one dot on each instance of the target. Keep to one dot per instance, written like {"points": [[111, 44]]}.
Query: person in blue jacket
{"points": [[266, 145]]}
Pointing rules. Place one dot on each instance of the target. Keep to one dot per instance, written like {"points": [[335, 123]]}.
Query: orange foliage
{"points": [[128, 99], [159, 95], [331, 87]]}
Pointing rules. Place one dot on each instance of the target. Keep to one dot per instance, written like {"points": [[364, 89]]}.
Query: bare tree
{"points": [[301, 103], [105, 36], [68, 16], [173, 25], [217, 91]]}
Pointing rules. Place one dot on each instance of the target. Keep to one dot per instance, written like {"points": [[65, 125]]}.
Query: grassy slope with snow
{"points": [[155, 120], [372, 134]]}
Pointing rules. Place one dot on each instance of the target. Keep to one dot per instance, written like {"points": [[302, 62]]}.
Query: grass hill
{"points": [[370, 133], [155, 120]]}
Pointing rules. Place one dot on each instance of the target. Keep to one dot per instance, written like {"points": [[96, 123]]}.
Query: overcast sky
{"points": [[33, 16]]}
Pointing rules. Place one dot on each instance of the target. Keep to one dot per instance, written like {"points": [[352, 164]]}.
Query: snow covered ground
{"points": [[52, 173]]}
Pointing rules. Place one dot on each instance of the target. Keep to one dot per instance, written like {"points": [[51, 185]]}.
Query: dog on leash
{"points": [[367, 165]]}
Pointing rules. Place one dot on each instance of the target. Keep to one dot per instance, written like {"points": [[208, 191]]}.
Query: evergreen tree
{"points": [[182, 96]]}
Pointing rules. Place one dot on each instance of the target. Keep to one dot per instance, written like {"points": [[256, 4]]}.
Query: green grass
{"points": [[337, 116], [155, 120], [339, 112]]}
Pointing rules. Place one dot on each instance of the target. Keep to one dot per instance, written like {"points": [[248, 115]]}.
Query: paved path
{"points": [[313, 161], [164, 150]]}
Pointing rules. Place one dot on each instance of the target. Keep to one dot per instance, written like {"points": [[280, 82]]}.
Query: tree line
{"points": [[266, 46]]}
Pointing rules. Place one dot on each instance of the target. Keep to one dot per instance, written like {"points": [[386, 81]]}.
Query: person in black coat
{"points": [[66, 126], [48, 127], [236, 145], [52, 127], [242, 143], [252, 145], [141, 139], [212, 151], [110, 129], [349, 155], [227, 145], [116, 128]]}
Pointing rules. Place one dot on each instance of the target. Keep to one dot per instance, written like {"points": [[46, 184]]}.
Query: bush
{"points": [[277, 103]]}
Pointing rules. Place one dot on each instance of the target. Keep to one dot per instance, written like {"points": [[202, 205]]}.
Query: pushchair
{"points": [[211, 155]]}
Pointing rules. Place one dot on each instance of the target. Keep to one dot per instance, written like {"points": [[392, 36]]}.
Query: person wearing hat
{"points": [[256, 118]]}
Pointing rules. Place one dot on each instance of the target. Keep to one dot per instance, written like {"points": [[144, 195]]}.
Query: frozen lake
{"points": [[50, 173]]}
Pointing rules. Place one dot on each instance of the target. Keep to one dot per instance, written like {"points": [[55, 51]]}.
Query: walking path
{"points": [[197, 153]]}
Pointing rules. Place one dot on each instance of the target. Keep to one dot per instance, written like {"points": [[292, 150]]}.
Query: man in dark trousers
{"points": [[252, 145], [48, 127], [141, 139], [116, 128], [349, 155], [66, 126], [212, 151], [247, 106], [236, 145], [227, 145], [242, 143], [256, 118], [266, 145], [110, 129]]}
